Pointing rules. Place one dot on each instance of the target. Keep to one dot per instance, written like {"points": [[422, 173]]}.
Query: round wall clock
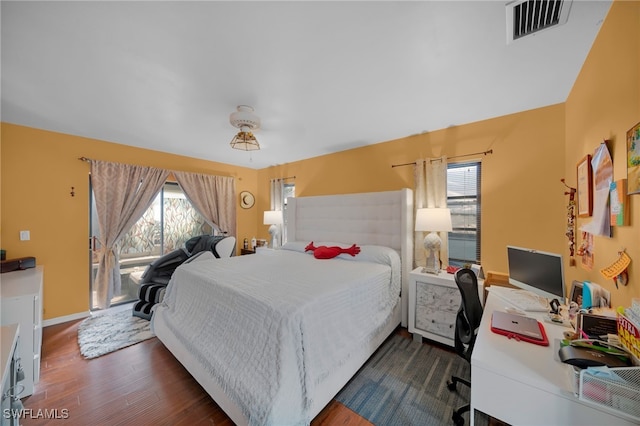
{"points": [[246, 200]]}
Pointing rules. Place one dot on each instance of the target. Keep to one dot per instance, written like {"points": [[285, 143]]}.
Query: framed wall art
{"points": [[633, 160], [585, 187]]}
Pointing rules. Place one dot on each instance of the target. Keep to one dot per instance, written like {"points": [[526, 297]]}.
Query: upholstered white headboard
{"points": [[369, 218]]}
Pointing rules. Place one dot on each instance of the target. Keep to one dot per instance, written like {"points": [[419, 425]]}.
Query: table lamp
{"points": [[273, 218], [434, 220]]}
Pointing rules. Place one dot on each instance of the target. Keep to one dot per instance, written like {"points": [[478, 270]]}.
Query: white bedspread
{"points": [[270, 327]]}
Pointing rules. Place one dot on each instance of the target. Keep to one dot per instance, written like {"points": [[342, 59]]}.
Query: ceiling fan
{"points": [[245, 120]]}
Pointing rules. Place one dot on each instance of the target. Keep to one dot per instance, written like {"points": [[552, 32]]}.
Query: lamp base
{"points": [[433, 264], [432, 243], [273, 230], [430, 271]]}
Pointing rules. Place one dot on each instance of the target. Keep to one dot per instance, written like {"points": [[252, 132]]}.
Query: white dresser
{"points": [[21, 293], [9, 339], [434, 301]]}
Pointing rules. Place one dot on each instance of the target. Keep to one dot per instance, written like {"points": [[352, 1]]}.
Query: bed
{"points": [[273, 336]]}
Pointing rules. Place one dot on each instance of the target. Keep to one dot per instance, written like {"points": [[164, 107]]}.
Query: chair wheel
{"points": [[451, 385], [457, 419]]}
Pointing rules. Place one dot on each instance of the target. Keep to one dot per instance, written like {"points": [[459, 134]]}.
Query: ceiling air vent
{"points": [[526, 17]]}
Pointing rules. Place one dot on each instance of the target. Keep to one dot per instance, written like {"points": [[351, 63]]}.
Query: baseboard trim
{"points": [[66, 318]]}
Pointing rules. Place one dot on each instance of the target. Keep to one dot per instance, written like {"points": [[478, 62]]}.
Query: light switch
{"points": [[25, 235]]}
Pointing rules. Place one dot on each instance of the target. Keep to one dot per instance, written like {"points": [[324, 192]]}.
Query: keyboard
{"points": [[522, 299]]}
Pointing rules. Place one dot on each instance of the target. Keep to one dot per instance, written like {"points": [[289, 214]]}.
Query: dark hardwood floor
{"points": [[139, 385]]}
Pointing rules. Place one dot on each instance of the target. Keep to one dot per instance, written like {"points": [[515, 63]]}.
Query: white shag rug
{"points": [[108, 332]]}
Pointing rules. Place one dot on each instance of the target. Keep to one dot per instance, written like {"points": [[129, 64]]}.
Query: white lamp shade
{"points": [[433, 219], [272, 217]]}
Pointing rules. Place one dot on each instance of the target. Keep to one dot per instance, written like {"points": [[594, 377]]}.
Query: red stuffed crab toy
{"points": [[324, 252]]}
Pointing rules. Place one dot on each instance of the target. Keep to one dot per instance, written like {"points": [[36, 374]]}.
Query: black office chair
{"points": [[467, 323]]}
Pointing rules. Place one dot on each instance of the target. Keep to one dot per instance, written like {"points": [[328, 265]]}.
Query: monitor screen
{"points": [[537, 271]]}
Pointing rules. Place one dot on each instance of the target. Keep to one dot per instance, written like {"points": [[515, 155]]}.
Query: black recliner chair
{"points": [[467, 324], [156, 276]]}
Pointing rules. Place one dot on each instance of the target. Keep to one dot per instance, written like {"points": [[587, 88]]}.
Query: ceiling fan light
{"points": [[245, 141]]}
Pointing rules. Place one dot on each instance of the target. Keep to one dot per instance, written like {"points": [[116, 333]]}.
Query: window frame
{"points": [[477, 229]]}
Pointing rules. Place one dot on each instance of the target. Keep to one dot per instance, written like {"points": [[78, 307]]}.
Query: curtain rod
{"points": [[88, 160], [490, 151]]}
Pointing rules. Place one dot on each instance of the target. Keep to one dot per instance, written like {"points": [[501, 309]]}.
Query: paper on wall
{"points": [[602, 166]]}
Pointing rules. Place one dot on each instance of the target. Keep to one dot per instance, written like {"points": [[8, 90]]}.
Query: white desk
{"points": [[525, 384]]}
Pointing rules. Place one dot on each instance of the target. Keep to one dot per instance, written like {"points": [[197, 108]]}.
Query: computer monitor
{"points": [[537, 271]]}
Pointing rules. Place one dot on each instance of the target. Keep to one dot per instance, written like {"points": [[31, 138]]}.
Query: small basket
{"points": [[574, 378], [616, 388]]}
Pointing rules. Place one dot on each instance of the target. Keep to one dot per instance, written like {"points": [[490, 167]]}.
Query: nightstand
{"points": [[434, 301]]}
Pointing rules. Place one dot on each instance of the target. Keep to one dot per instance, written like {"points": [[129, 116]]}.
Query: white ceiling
{"points": [[323, 76]]}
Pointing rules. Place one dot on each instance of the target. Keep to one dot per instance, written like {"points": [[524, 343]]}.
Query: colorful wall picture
{"points": [[633, 159], [619, 203], [586, 251]]}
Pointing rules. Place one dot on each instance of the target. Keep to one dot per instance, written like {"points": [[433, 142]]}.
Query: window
{"points": [[463, 198], [166, 225]]}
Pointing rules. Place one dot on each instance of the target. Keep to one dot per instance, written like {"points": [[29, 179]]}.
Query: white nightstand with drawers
{"points": [[434, 301]]}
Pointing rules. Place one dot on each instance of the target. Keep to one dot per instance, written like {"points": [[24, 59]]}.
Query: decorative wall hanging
{"points": [[585, 251], [602, 166], [633, 159], [619, 201], [618, 269], [246, 200], [571, 222], [585, 188]]}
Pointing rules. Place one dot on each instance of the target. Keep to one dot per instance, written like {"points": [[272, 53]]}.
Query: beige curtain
{"points": [[122, 193], [213, 197], [430, 190], [277, 203]]}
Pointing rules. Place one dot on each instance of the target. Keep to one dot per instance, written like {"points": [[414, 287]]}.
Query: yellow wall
{"points": [[523, 201], [522, 196], [38, 170], [604, 104]]}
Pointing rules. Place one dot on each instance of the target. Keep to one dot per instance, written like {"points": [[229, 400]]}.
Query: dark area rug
{"points": [[405, 383]]}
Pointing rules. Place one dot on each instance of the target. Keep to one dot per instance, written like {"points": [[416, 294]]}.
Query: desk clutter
{"points": [[604, 352]]}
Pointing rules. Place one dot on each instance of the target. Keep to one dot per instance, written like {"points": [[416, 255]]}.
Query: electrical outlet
{"points": [[25, 235]]}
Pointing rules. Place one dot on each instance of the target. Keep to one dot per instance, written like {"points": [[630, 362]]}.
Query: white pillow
{"points": [[294, 246], [374, 254]]}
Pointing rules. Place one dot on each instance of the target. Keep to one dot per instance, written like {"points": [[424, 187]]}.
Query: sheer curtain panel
{"points": [[430, 191], [213, 197], [122, 193]]}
